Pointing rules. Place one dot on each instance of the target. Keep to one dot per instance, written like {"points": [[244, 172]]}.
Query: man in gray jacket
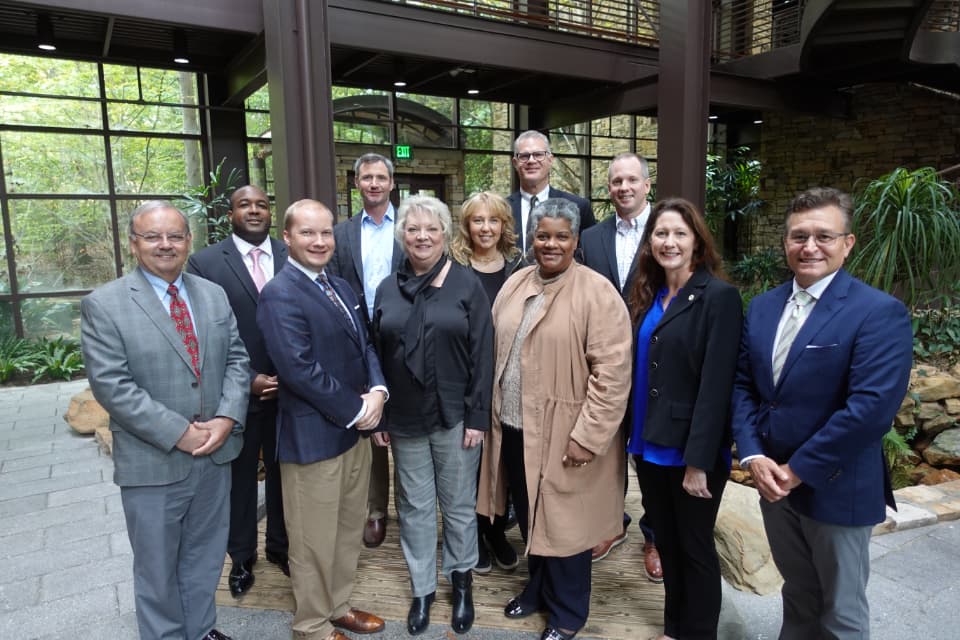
{"points": [[164, 358]]}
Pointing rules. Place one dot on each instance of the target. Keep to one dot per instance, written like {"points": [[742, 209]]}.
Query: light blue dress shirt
{"points": [[376, 252]]}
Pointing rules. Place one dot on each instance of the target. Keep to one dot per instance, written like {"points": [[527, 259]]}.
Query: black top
{"points": [[458, 336], [492, 282]]}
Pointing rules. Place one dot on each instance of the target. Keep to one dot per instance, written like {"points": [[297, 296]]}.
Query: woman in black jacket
{"points": [[433, 331], [688, 323]]}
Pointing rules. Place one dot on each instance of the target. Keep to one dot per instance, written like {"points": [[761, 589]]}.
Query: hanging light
{"points": [[45, 39], [180, 55]]}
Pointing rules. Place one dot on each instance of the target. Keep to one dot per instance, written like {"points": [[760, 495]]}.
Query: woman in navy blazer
{"points": [[688, 323]]}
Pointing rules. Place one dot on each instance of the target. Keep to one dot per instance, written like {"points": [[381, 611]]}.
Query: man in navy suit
{"points": [[823, 367], [242, 264], [331, 388], [610, 249], [532, 160], [367, 252]]}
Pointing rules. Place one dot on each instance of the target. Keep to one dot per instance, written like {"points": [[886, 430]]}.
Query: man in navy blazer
{"points": [[242, 264], [823, 367], [331, 388], [367, 252], [532, 160], [610, 248]]}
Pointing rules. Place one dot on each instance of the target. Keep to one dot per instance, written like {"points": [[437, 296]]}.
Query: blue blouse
{"points": [[663, 456]]}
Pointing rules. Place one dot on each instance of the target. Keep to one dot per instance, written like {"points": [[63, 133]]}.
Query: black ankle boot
{"points": [[418, 618], [462, 618]]}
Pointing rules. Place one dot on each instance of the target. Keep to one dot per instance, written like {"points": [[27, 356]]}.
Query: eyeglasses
{"points": [[822, 238], [157, 238], [536, 156]]}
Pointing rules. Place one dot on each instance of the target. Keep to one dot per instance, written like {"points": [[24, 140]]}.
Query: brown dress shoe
{"points": [[359, 622], [603, 549], [336, 635], [374, 532], [651, 563]]}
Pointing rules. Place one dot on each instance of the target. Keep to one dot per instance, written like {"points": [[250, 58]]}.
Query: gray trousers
{"points": [[825, 568], [431, 468], [178, 533]]}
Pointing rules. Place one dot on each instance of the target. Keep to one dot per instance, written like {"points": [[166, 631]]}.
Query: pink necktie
{"points": [[255, 271]]}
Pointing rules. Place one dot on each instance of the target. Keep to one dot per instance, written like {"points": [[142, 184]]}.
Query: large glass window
{"points": [[70, 148]]}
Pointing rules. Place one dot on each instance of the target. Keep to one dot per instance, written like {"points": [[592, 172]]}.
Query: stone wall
{"points": [[930, 413], [891, 125]]}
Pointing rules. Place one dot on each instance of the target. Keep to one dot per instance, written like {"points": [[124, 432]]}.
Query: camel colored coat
{"points": [[576, 364]]}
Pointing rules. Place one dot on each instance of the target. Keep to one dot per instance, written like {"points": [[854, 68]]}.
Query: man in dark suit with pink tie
{"points": [[242, 264]]}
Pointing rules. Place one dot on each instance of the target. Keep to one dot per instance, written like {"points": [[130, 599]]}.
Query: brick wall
{"points": [[891, 125]]}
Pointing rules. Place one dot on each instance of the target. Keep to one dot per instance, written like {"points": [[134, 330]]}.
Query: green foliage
{"points": [[936, 331], [39, 360], [208, 204], [897, 450], [908, 235], [57, 359], [733, 188], [759, 272], [16, 357]]}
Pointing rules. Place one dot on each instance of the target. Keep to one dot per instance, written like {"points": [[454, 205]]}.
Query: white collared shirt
{"points": [[266, 258], [525, 210], [816, 291], [627, 241]]}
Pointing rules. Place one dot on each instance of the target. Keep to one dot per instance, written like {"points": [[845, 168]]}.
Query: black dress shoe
{"points": [[216, 635], [418, 618], [240, 580], [462, 616], [551, 633], [517, 609], [282, 560]]}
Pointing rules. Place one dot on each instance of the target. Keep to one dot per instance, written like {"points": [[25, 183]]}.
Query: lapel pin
{"points": [[690, 297]]}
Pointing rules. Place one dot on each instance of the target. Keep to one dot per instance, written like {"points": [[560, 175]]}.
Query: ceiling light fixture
{"points": [[711, 117], [473, 92], [758, 122], [399, 83], [180, 55], [45, 39]]}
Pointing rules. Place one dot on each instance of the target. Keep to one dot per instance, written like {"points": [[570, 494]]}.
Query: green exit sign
{"points": [[402, 152]]}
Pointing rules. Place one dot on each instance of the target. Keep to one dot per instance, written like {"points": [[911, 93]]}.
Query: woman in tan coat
{"points": [[561, 381]]}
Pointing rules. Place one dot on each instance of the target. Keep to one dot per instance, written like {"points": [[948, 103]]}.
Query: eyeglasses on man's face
{"points": [[821, 238], [157, 238], [536, 156]]}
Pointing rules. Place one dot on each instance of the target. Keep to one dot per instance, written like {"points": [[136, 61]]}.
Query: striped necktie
{"points": [[790, 329]]}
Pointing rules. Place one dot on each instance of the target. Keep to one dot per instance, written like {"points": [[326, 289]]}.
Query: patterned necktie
{"points": [[324, 283], [259, 279], [790, 329], [534, 201], [181, 317]]}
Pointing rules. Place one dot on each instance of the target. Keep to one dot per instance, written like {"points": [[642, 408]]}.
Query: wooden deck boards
{"points": [[624, 605]]}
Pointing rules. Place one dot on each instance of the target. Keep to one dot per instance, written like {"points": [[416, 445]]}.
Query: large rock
{"points": [[745, 559], [944, 451], [935, 387], [85, 414], [939, 423], [952, 406]]}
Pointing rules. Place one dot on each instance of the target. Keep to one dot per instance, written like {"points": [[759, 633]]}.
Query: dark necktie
{"points": [[534, 201], [181, 318], [324, 283]]}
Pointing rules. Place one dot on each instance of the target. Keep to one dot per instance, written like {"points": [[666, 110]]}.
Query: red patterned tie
{"points": [[181, 317]]}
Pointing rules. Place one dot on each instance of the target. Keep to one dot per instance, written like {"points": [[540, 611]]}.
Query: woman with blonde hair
{"points": [[485, 242]]}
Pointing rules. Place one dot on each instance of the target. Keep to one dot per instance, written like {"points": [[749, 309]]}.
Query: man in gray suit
{"points": [[366, 253], [164, 358]]}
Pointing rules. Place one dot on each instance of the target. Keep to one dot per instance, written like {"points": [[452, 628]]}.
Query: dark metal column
{"points": [[226, 130], [301, 108], [683, 99]]}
